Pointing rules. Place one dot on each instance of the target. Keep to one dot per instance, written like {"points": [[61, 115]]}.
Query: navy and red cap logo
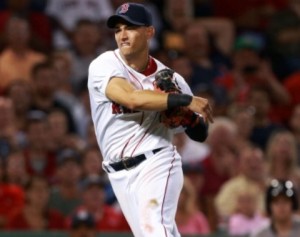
{"points": [[124, 8], [131, 13]]}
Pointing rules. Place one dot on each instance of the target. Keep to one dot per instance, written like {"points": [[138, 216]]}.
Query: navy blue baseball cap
{"points": [[133, 13]]}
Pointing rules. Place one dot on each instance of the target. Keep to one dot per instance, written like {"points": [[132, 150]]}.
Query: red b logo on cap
{"points": [[124, 8]]}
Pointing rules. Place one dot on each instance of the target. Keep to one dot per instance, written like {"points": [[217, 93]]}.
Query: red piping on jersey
{"points": [[134, 77], [151, 67], [142, 118], [162, 207], [146, 132], [140, 141], [128, 70], [126, 144]]}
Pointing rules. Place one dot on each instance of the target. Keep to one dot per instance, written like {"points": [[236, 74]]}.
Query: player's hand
{"points": [[200, 105]]}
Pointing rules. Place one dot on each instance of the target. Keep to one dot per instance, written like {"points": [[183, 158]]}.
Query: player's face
{"points": [[132, 40]]}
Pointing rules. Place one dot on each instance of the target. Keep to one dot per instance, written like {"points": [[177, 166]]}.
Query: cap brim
{"points": [[115, 19]]}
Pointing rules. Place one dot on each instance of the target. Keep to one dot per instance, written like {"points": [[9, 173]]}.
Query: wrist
{"points": [[177, 100]]}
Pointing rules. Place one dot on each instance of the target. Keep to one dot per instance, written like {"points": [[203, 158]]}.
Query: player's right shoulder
{"points": [[104, 59], [108, 55]]}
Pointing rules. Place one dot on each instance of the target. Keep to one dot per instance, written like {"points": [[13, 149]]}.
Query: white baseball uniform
{"points": [[148, 193]]}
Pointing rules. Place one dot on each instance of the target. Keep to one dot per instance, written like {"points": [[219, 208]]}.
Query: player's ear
{"points": [[150, 32]]}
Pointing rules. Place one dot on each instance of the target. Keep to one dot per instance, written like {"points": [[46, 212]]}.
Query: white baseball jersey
{"points": [[121, 132], [148, 193]]}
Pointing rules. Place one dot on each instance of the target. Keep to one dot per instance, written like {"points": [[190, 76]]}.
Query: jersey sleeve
{"points": [[185, 88], [101, 70]]}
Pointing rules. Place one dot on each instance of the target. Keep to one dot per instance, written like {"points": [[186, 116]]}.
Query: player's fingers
{"points": [[209, 114], [210, 117]]}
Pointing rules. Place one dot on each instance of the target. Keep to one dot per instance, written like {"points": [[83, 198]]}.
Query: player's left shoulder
{"points": [[161, 66]]}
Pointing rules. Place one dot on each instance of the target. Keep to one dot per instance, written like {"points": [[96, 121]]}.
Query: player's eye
{"points": [[117, 30], [132, 27]]}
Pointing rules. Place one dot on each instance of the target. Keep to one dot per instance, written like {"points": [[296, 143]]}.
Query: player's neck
{"points": [[139, 64]]}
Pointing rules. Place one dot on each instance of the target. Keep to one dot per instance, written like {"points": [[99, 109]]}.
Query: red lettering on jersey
{"points": [[124, 8], [116, 108]]}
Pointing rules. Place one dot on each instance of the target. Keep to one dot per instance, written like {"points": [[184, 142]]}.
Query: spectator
{"points": [[44, 88], [38, 159], [87, 43], [247, 217], [190, 220], [11, 198], [194, 172], [215, 94], [251, 68], [38, 22], [207, 63], [180, 16], [20, 93], [281, 154], [83, 225], [93, 201], [61, 61], [65, 14], [218, 166], [243, 117], [16, 169], [58, 130], [284, 35], [251, 171], [281, 205], [59, 137], [259, 99], [17, 59], [181, 64], [65, 194], [65, 93], [36, 215]]}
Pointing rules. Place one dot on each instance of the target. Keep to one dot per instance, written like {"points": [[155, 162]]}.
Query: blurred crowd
{"points": [[244, 56]]}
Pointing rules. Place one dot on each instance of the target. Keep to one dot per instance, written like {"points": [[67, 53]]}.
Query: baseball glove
{"points": [[175, 117]]}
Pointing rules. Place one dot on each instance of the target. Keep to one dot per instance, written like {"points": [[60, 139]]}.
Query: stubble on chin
{"points": [[127, 53]]}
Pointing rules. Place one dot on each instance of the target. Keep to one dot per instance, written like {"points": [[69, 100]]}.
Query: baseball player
{"points": [[143, 166]]}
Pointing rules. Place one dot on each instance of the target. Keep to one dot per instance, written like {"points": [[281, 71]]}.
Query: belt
{"points": [[130, 162]]}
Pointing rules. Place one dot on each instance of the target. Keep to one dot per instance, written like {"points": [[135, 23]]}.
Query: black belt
{"points": [[130, 162]]}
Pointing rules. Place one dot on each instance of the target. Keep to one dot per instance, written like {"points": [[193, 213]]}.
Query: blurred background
{"points": [[244, 56]]}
